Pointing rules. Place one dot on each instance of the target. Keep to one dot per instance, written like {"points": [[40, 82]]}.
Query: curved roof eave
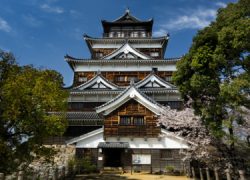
{"points": [[130, 93]]}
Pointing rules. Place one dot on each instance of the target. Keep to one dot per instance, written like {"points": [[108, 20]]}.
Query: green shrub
{"points": [[71, 165], [169, 168], [85, 165]]}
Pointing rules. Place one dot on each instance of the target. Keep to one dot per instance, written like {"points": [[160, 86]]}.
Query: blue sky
{"points": [[41, 32]]}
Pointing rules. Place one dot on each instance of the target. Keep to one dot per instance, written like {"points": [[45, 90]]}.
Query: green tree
{"points": [[27, 95], [214, 76]]}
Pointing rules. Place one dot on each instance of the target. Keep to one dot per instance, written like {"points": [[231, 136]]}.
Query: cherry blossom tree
{"points": [[204, 147]]}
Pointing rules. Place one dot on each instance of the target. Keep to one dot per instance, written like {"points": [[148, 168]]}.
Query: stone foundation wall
{"points": [[60, 160]]}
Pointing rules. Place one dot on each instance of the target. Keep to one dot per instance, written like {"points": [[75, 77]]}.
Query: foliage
{"points": [[214, 77], [82, 165], [87, 166], [27, 95], [72, 165], [215, 72], [204, 147], [169, 168]]}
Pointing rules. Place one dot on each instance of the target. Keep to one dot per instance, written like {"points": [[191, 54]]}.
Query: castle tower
{"points": [[118, 94]]}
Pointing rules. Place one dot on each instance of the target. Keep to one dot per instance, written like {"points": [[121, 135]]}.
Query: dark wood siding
{"points": [[126, 76], [131, 108]]}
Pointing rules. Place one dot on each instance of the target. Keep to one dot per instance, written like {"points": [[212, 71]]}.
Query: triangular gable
{"points": [[153, 81], [127, 17], [97, 82], [167, 141], [130, 93], [125, 52]]}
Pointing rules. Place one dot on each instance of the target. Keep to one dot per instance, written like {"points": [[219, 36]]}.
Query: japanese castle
{"points": [[117, 96]]}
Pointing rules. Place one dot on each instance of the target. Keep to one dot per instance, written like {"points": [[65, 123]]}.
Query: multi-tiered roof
{"points": [[127, 64]]}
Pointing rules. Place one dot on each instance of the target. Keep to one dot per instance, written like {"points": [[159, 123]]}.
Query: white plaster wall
{"points": [[124, 67], [137, 143], [146, 45], [90, 142]]}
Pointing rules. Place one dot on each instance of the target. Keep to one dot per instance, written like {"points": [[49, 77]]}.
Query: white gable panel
{"points": [[91, 142], [126, 49], [153, 80], [97, 82], [122, 66], [152, 84], [102, 86], [95, 86]]}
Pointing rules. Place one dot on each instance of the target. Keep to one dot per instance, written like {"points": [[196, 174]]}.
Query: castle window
{"points": [[134, 34], [126, 78], [120, 34], [120, 78], [138, 120], [82, 79], [168, 78], [143, 34], [111, 34], [99, 55], [132, 120], [125, 120], [154, 54], [134, 78]]}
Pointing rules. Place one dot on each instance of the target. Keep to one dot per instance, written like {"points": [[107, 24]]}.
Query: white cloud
{"points": [[191, 19], [32, 21], [4, 49], [52, 9], [221, 4], [4, 26], [160, 32], [74, 13]]}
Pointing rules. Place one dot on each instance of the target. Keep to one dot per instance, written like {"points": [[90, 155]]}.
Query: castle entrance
{"points": [[112, 152], [112, 157]]}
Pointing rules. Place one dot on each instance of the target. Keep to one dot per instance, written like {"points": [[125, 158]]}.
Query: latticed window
{"points": [[134, 34], [132, 120], [138, 120], [125, 120], [143, 34], [120, 78], [120, 34], [168, 78], [82, 79], [99, 54], [154, 54], [129, 78], [111, 34]]}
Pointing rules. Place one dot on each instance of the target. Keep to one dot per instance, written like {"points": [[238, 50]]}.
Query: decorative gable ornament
{"points": [[154, 81], [97, 82], [126, 51]]}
